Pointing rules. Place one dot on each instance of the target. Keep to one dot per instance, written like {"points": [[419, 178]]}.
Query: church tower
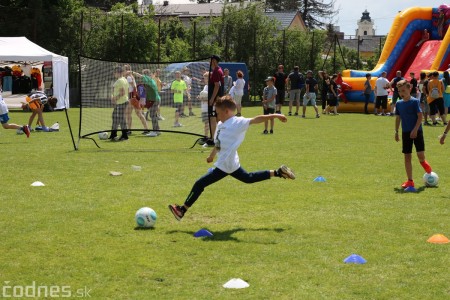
{"points": [[365, 25]]}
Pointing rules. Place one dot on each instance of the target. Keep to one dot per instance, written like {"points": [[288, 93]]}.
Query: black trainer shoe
{"points": [[176, 211], [265, 132], [285, 172]]}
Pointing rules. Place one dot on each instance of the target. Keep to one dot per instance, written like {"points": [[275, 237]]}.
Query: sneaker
{"points": [[145, 132], [152, 134], [26, 130], [285, 172], [183, 116], [177, 125], [271, 131], [191, 114], [435, 124], [317, 116], [296, 114], [161, 118], [238, 115], [265, 132], [176, 211], [426, 123], [303, 116], [123, 138], [407, 184], [290, 114]]}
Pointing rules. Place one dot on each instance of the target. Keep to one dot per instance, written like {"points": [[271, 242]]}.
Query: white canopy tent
{"points": [[22, 49]]}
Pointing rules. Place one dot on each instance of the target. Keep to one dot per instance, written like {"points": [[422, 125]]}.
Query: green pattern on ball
{"points": [[140, 221]]}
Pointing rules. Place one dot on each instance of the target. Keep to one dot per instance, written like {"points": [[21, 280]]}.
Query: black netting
{"points": [[143, 113]]}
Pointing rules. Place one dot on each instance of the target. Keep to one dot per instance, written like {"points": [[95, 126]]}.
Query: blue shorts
{"points": [[4, 118]]}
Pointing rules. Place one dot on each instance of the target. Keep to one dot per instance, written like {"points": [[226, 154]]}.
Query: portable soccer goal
{"points": [[182, 106]]}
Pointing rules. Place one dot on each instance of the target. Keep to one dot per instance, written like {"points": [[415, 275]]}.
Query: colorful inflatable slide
{"points": [[401, 53]]}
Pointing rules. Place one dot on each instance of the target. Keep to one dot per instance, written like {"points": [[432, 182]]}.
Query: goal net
{"points": [[164, 97]]}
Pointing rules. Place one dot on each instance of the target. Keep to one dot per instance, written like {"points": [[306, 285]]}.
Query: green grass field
{"points": [[287, 239]]}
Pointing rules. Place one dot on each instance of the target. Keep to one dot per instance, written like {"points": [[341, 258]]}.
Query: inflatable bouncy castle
{"points": [[405, 50]]}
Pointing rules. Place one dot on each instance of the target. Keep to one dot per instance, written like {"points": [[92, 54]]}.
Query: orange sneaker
{"points": [[408, 183]]}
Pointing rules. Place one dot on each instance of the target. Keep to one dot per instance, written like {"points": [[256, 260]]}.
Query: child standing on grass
{"points": [[229, 135], [409, 114], [268, 102], [4, 118]]}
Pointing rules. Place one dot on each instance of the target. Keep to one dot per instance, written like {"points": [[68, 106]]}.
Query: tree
{"points": [[315, 13], [119, 35]]}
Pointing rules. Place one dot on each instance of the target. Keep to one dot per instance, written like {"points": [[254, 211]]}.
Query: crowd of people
{"points": [[300, 89]]}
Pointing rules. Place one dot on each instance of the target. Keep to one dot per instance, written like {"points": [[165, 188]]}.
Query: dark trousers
{"points": [[118, 117], [366, 102], [217, 174], [324, 100], [153, 110]]}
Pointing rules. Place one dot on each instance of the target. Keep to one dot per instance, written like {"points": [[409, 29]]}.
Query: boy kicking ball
{"points": [[409, 114], [229, 135]]}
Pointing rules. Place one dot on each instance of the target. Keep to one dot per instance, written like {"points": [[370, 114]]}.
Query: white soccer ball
{"points": [[431, 179], [145, 217], [19, 131], [103, 135]]}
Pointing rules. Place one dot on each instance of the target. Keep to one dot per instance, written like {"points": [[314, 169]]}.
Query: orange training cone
{"points": [[438, 239]]}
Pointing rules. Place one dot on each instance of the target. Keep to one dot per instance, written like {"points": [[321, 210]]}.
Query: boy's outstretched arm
{"points": [[262, 118], [444, 135], [211, 156]]}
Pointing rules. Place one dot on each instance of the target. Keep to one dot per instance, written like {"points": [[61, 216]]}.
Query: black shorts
{"points": [[268, 110], [332, 100], [381, 102], [407, 142], [437, 106], [395, 97], [280, 97]]}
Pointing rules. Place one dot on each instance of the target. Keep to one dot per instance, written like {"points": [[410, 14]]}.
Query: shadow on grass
{"points": [[402, 191], [227, 235], [144, 228]]}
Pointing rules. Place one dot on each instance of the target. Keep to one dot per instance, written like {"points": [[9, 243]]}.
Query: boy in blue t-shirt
{"points": [[409, 114]]}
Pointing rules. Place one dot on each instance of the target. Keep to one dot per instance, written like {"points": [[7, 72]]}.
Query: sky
{"points": [[382, 12]]}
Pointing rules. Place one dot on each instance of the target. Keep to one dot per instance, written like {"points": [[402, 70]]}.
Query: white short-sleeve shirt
{"points": [[228, 137], [3, 106], [380, 86]]}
